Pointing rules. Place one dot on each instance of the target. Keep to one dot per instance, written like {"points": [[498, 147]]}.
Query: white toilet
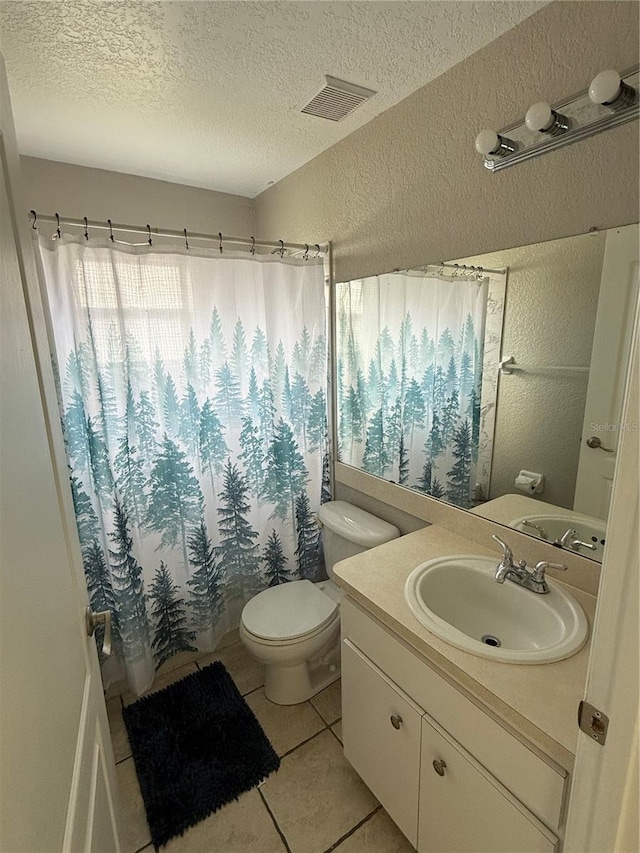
{"points": [[294, 628]]}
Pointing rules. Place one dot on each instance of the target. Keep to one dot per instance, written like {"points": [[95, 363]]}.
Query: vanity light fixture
{"points": [[489, 142], [609, 90], [612, 99], [542, 118]]}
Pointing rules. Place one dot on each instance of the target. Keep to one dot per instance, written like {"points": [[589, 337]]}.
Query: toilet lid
{"points": [[287, 611]]}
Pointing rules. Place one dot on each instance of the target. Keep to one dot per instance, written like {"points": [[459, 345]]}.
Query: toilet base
{"points": [[290, 685]]}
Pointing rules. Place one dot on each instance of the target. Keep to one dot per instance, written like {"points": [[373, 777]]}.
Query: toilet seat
{"points": [[288, 612]]}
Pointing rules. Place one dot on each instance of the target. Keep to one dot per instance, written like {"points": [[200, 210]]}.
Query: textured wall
{"points": [[408, 188], [550, 314], [97, 194], [209, 93]]}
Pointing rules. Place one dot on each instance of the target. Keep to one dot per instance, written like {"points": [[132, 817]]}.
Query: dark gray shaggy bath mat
{"points": [[196, 746]]}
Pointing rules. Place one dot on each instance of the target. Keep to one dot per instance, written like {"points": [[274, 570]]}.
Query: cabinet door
{"points": [[463, 808], [381, 729]]}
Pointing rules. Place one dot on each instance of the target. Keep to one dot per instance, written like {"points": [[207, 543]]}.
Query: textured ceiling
{"points": [[209, 93]]}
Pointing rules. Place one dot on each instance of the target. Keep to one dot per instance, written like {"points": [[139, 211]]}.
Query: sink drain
{"points": [[490, 640]]}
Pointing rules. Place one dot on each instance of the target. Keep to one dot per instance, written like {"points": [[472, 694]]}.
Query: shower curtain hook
{"points": [[35, 219], [281, 249], [149, 241], [186, 241], [86, 228], [110, 231], [306, 252], [220, 238], [317, 254], [253, 245], [58, 226]]}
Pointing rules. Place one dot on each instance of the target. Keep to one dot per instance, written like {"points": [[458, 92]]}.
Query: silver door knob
{"points": [[92, 620], [595, 443], [439, 766], [396, 721]]}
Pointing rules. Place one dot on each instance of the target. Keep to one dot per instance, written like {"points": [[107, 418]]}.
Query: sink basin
{"points": [[591, 530], [458, 600]]}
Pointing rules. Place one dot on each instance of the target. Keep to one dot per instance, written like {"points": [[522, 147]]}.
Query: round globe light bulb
{"points": [[606, 87], [487, 142], [539, 117]]}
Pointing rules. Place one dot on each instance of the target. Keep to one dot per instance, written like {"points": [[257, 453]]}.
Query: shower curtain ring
{"points": [[253, 245], [220, 238], [306, 252], [58, 226], [281, 250], [317, 254], [110, 231], [149, 241], [86, 228], [186, 240], [35, 219]]}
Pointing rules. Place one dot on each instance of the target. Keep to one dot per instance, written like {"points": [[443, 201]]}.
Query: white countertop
{"points": [[540, 701]]}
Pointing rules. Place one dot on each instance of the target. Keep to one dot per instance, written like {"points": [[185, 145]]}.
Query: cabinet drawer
{"points": [[387, 757], [534, 782], [464, 810]]}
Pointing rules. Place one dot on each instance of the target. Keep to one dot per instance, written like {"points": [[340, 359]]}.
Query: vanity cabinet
{"points": [[381, 734], [488, 791], [463, 808]]}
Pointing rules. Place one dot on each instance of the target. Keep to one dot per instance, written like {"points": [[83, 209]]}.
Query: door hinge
{"points": [[593, 722]]}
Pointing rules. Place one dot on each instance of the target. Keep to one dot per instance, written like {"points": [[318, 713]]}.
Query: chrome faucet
{"points": [[532, 579], [569, 539], [543, 533]]}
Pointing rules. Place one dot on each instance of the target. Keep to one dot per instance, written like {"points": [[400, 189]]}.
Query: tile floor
{"points": [[315, 803]]}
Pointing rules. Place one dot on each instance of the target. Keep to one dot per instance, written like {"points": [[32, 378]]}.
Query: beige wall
{"points": [[78, 191], [408, 187], [549, 319]]}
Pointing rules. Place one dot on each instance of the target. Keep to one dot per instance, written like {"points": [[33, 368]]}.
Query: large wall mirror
{"points": [[495, 382]]}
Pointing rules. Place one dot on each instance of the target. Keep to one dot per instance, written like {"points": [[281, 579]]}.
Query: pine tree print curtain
{"points": [[192, 392], [415, 398]]}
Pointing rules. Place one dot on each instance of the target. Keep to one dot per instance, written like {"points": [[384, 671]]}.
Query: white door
{"points": [[57, 770], [609, 361], [604, 807]]}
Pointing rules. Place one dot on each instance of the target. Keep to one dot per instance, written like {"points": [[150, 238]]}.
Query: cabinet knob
{"points": [[396, 721], [439, 766]]}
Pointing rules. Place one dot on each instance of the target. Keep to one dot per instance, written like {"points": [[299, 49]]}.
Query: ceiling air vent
{"points": [[337, 99]]}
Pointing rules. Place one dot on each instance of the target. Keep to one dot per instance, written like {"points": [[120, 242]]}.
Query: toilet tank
{"points": [[348, 530]]}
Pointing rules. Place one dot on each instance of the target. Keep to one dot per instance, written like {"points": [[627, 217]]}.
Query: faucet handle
{"points": [[507, 553], [541, 567], [567, 536]]}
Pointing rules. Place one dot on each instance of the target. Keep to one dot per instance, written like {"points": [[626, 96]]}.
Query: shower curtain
{"points": [[192, 390], [415, 400]]}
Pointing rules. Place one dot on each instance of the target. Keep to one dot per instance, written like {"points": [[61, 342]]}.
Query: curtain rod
{"points": [[320, 248], [463, 268]]}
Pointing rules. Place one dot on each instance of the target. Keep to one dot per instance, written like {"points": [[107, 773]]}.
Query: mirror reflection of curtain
{"points": [[192, 392], [412, 404]]}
